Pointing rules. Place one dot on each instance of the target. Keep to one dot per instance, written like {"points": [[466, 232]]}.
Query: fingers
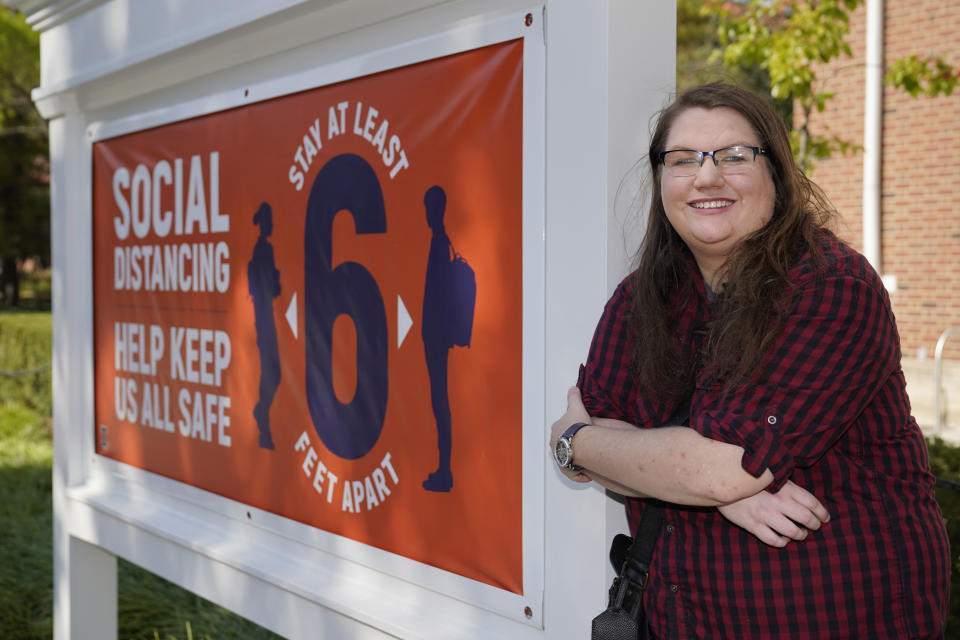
{"points": [[777, 530], [788, 528], [768, 532], [820, 511], [802, 506], [809, 502], [576, 412], [777, 519], [772, 538], [800, 515], [790, 516]]}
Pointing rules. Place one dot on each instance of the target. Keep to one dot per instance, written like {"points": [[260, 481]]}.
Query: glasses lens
{"points": [[733, 160], [681, 162]]}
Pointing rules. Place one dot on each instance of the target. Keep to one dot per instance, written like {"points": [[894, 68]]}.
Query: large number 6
{"points": [[346, 182]]}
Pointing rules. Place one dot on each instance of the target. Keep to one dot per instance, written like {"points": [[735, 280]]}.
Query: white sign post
{"points": [[593, 73]]}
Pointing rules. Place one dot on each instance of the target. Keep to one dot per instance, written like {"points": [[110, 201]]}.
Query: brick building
{"points": [[920, 171]]}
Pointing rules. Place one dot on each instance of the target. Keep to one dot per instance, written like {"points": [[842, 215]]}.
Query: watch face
{"points": [[562, 452]]}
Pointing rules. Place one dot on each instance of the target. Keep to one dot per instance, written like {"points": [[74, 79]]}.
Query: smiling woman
{"points": [[750, 368], [721, 203]]}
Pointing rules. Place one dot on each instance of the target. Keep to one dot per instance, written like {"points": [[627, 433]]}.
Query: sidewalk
{"points": [[920, 388]]}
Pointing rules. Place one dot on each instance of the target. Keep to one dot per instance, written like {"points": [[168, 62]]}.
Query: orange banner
{"points": [[312, 305]]}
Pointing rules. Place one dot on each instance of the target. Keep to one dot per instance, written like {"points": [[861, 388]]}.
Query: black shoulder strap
{"points": [[637, 566]]}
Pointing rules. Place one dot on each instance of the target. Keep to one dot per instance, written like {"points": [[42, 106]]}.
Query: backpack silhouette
{"points": [[462, 283]]}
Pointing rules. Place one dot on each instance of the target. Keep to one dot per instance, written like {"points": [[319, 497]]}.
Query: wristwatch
{"points": [[563, 450]]}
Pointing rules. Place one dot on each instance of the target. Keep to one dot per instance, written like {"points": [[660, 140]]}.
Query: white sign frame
{"points": [[609, 65], [122, 490]]}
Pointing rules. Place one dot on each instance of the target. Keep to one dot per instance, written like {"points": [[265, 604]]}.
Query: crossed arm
{"points": [[677, 464]]}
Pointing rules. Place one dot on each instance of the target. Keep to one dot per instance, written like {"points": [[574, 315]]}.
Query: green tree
{"points": [[697, 40], [24, 163], [789, 40]]}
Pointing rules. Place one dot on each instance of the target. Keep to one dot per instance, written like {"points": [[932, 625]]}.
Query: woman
{"points": [[748, 322]]}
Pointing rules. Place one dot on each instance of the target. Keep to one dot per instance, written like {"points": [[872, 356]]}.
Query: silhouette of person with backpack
{"points": [[264, 285], [449, 297]]}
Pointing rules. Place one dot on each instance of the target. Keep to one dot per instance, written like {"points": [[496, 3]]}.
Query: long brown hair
{"points": [[749, 312]]}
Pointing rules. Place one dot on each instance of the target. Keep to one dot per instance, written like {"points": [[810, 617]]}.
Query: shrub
{"points": [[945, 464]]}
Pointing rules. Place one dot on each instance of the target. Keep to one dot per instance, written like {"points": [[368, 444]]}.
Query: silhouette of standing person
{"points": [[437, 335], [264, 284]]}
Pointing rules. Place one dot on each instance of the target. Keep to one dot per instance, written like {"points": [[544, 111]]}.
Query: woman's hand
{"points": [[576, 412], [778, 518]]}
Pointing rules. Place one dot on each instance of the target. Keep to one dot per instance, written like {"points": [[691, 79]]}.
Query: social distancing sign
{"points": [[313, 305]]}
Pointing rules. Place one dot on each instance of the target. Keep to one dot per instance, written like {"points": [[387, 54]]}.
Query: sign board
{"points": [[313, 305], [261, 324]]}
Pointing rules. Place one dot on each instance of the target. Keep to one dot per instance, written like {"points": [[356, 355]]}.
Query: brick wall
{"points": [[920, 196]]}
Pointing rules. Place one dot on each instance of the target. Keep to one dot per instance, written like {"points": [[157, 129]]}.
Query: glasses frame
{"points": [[701, 155]]}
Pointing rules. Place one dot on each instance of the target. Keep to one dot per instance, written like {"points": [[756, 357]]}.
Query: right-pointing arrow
{"points": [[404, 322]]}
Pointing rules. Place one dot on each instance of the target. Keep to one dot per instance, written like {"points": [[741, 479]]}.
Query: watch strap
{"points": [[572, 430], [568, 436]]}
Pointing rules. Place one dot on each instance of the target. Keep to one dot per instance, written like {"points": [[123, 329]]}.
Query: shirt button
{"points": [[674, 588], [669, 528], [772, 419]]}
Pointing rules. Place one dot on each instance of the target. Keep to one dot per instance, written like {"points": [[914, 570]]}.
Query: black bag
{"points": [[624, 618]]}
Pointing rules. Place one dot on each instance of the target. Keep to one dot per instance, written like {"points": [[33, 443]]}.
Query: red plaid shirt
{"points": [[828, 410]]}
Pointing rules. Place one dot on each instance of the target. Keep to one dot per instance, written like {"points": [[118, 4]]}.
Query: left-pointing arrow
{"points": [[291, 314], [404, 322]]}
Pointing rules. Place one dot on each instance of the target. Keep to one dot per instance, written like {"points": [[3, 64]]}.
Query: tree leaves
{"points": [[24, 163], [789, 40], [930, 76]]}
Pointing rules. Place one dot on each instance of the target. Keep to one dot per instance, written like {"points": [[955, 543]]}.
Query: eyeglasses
{"points": [[729, 160]]}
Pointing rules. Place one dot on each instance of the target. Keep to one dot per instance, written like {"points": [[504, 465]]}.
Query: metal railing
{"points": [[937, 374], [24, 372]]}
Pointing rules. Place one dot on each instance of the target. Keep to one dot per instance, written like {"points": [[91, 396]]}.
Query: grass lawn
{"points": [[26, 524], [150, 608]]}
